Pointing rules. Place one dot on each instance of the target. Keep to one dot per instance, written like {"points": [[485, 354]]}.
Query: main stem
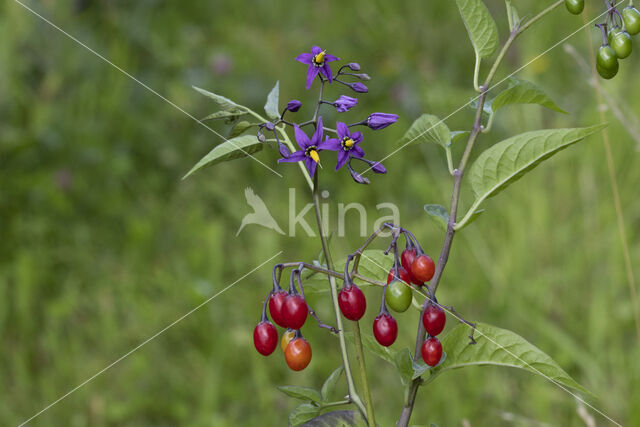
{"points": [[458, 174], [353, 395]]}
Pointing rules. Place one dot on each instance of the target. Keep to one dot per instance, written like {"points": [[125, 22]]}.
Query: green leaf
{"points": [[427, 128], [302, 414], [481, 27], [302, 393], [500, 347], [504, 163], [239, 128], [404, 364], [439, 214], [225, 115], [459, 135], [224, 103], [523, 92], [271, 107], [473, 217], [231, 149], [370, 344], [330, 384], [342, 418]]}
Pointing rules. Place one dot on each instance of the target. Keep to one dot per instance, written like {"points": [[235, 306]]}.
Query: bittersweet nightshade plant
{"points": [[409, 277]]}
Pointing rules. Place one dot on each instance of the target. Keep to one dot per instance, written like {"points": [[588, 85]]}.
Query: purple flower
{"points": [[358, 87], [346, 145], [294, 105], [309, 148], [381, 120], [344, 103], [318, 61]]}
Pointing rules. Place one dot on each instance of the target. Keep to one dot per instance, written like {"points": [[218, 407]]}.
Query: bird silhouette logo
{"points": [[260, 215]]}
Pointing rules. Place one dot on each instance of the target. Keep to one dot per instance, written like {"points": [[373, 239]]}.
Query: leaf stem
{"points": [[353, 395], [476, 73], [455, 200]]}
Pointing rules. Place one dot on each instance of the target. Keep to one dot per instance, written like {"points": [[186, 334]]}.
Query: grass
{"points": [[102, 245]]}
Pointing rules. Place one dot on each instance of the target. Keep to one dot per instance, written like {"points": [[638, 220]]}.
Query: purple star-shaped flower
{"points": [[318, 61], [346, 145], [309, 147]]}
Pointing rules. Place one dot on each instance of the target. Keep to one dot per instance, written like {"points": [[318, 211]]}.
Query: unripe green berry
{"points": [[622, 44], [631, 18], [574, 6]]}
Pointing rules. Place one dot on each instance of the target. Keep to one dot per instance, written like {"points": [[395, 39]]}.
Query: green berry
{"points": [[574, 6], [398, 296], [621, 44], [607, 73], [612, 33], [631, 18], [607, 58]]}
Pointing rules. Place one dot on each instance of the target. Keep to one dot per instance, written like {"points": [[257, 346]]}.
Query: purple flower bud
{"points": [[345, 103], [362, 76], [269, 126], [381, 120], [359, 87], [261, 137], [354, 66], [284, 150], [294, 105], [358, 178], [377, 167]]}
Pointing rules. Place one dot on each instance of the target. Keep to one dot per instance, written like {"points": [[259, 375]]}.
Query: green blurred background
{"points": [[102, 245]]}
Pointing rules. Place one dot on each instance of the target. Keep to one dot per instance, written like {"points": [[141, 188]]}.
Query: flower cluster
{"points": [[341, 139]]}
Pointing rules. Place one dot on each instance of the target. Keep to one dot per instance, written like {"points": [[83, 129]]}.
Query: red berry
{"points": [[422, 268], [385, 329], [406, 259], [265, 338], [352, 302], [404, 275], [295, 311], [298, 354], [431, 351], [276, 305], [433, 319]]}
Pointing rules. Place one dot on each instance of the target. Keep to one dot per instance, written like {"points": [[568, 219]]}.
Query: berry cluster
{"points": [[412, 269], [616, 35]]}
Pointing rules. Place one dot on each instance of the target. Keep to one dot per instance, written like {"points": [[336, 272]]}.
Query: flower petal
{"points": [[301, 138], [343, 156], [311, 165], [316, 139], [312, 72], [316, 50], [326, 71], [356, 136], [357, 151], [342, 129], [294, 157], [331, 145], [328, 58], [305, 58]]}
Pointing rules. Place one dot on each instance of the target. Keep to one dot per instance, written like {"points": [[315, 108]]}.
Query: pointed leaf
{"points": [[439, 214], [500, 347], [343, 418], [239, 128], [404, 364], [225, 115], [303, 413], [504, 163], [523, 92], [481, 27], [427, 128], [224, 103], [231, 149], [302, 393], [330, 384], [271, 107]]}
